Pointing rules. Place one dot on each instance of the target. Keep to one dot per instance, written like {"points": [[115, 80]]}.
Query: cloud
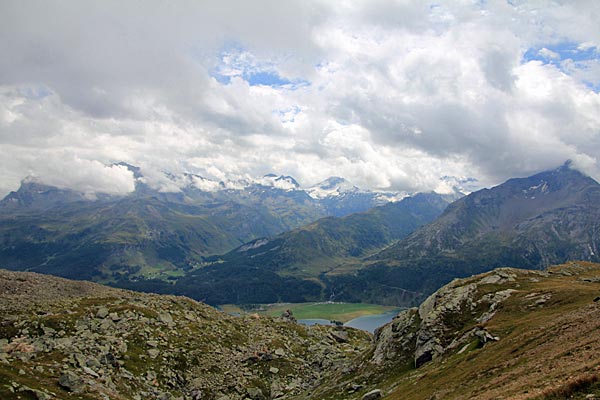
{"points": [[390, 94]]}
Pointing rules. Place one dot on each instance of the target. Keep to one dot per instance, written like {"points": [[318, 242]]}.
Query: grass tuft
{"points": [[573, 387]]}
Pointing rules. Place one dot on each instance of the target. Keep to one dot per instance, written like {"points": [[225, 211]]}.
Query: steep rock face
{"points": [[448, 320]]}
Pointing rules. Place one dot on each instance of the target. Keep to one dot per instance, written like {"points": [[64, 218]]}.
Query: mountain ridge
{"points": [[492, 228]]}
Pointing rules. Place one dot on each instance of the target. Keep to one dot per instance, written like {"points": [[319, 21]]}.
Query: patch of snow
{"points": [[205, 184], [392, 197], [253, 245], [331, 187], [279, 182], [542, 188]]}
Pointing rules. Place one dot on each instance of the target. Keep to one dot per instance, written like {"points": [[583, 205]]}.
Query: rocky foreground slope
{"points": [[505, 334], [66, 339]]}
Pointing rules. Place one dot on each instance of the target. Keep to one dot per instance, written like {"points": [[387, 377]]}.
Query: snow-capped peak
{"points": [[279, 182], [331, 187], [204, 184]]}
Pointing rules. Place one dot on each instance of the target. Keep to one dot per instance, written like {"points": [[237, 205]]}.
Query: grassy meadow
{"points": [[342, 312]]}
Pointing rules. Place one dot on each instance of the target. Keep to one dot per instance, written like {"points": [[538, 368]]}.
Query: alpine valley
{"points": [[490, 313], [157, 234], [272, 241]]}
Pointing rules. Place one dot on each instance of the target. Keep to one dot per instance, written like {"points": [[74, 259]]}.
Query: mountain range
{"points": [[156, 234], [295, 266], [532, 222], [272, 241]]}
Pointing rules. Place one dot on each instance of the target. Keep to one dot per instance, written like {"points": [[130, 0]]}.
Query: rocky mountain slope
{"points": [[541, 219], [67, 339], [508, 333]]}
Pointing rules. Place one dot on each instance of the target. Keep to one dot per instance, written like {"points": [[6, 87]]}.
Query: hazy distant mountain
{"points": [[131, 236], [340, 197]]}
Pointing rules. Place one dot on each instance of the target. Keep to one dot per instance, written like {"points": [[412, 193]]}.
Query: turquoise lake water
{"points": [[367, 322]]}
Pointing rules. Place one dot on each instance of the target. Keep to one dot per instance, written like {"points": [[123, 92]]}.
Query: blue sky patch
{"points": [[235, 61], [579, 60], [553, 54]]}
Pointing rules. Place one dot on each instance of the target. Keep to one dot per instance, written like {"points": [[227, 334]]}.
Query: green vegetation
{"points": [[342, 312], [314, 262]]}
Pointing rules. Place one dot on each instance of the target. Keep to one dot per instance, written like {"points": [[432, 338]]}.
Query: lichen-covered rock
{"points": [[71, 381], [421, 335]]}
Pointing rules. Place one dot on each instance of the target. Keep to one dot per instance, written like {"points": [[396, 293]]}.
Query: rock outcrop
{"points": [[450, 319]]}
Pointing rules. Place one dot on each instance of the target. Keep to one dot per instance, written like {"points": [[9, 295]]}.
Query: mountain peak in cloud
{"points": [[279, 182]]}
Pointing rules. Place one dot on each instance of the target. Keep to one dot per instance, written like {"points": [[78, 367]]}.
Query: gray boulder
{"points": [[72, 382]]}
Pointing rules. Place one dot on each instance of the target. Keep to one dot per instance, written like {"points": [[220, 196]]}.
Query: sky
{"points": [[389, 94]]}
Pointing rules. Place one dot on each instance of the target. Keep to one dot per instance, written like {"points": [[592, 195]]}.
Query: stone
{"points": [[71, 381], [165, 318], [280, 352], [288, 316], [255, 393], [38, 395], [372, 395], [92, 362], [109, 359], [91, 372], [102, 313], [484, 336], [122, 347], [153, 353], [48, 331], [340, 336], [273, 370]]}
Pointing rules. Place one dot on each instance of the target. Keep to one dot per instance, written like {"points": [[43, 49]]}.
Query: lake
{"points": [[371, 322], [366, 323]]}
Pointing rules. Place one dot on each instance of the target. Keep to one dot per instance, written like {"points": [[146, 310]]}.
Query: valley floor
{"points": [[342, 312]]}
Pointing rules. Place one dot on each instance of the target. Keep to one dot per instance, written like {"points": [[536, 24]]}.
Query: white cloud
{"points": [[549, 54], [394, 94]]}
